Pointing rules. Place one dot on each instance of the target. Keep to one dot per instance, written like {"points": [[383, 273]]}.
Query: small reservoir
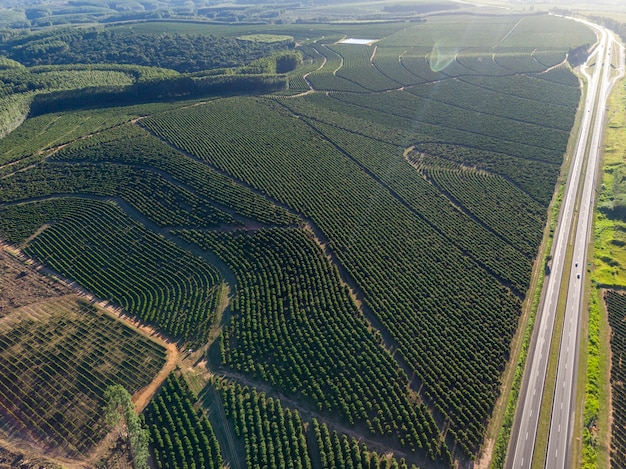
{"points": [[366, 42]]}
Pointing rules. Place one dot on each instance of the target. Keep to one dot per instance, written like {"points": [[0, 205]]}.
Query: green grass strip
{"points": [[608, 270]]}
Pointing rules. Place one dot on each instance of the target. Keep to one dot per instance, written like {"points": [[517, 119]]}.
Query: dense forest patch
{"points": [[183, 53]]}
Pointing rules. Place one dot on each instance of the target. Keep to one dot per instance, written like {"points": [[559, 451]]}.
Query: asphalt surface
{"points": [[558, 455], [529, 404]]}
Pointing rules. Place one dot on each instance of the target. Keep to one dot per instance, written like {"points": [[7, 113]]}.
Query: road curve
{"points": [[524, 432]]}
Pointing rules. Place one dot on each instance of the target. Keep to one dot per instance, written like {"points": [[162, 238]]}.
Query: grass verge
{"points": [[609, 269], [596, 431], [610, 221]]}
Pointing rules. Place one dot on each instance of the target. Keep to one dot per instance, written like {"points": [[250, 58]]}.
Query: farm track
{"points": [[319, 241], [174, 359], [27, 454], [139, 217], [457, 204], [358, 296], [427, 82], [402, 87], [374, 324], [247, 223], [305, 77], [554, 66], [224, 430], [373, 63], [509, 32], [308, 414], [471, 132]]}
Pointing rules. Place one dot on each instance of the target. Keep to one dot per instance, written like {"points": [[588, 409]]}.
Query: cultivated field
{"points": [[375, 225], [616, 307], [58, 357]]}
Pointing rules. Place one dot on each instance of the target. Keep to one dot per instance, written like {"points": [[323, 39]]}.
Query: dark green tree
{"points": [[120, 415]]}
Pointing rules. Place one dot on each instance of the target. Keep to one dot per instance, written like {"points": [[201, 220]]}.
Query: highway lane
{"points": [[558, 455], [525, 429]]}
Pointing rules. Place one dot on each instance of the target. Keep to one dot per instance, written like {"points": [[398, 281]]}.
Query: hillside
{"points": [[340, 239]]}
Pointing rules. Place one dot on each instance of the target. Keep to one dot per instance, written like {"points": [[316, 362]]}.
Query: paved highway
{"points": [[525, 429], [563, 406]]}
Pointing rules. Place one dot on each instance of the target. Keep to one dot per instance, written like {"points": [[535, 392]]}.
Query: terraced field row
{"points": [[104, 250]]}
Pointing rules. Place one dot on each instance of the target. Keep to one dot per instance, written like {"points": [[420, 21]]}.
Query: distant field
{"points": [[265, 38], [375, 226], [26, 14]]}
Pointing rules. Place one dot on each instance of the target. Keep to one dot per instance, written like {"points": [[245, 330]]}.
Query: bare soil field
{"points": [[21, 284], [14, 458], [24, 286]]}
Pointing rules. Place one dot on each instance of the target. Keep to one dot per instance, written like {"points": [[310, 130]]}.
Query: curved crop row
{"points": [[164, 202], [273, 436], [508, 211], [357, 67], [326, 79], [297, 327], [509, 259], [535, 178], [99, 246], [134, 146], [339, 452], [424, 290]]}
